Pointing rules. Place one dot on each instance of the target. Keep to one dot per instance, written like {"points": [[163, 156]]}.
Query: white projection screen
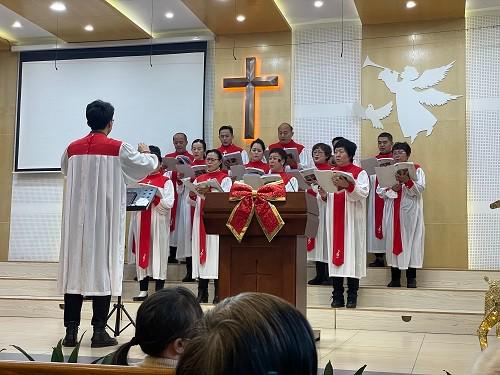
{"points": [[154, 96]]}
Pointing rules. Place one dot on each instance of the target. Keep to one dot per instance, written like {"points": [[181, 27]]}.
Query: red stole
{"points": [[339, 212], [311, 242], [291, 144], [176, 181], [379, 204], [157, 179], [229, 149], [285, 177], [397, 242], [219, 176], [259, 165]]}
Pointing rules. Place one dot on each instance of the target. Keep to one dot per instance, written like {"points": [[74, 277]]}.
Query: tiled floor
{"points": [[390, 352]]}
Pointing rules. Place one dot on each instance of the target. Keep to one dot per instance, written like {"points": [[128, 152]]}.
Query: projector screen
{"points": [[154, 97]]}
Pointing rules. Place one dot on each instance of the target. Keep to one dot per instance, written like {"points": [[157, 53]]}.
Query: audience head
{"points": [[155, 150], [285, 133], [163, 325], [198, 148], [180, 141], [488, 362], [401, 152], [100, 115], [344, 151], [257, 148], [385, 143], [226, 135], [277, 160], [251, 334], [214, 160], [321, 153]]}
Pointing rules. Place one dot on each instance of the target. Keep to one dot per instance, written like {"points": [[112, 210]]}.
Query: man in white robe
{"points": [[93, 224], [346, 225], [403, 224]]}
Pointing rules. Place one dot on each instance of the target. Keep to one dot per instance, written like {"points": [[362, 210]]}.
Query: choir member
{"points": [[277, 163], [257, 148], [285, 135], [226, 137]]}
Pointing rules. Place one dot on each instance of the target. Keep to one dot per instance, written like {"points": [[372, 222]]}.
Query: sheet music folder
{"points": [[140, 198]]}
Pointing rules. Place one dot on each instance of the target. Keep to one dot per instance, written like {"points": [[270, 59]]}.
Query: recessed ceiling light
{"points": [[169, 15], [89, 28], [411, 4], [318, 3], [240, 18], [58, 6], [196, 38], [17, 25]]}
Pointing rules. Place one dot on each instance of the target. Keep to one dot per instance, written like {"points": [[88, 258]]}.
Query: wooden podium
{"points": [[257, 265]]}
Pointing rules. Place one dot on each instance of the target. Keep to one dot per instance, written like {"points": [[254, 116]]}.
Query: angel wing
{"points": [[383, 112], [435, 97], [432, 77]]}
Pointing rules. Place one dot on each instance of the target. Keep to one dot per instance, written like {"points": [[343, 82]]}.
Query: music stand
{"points": [[138, 199]]}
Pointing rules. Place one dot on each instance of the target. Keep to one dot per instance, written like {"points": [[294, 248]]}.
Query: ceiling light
{"points": [[58, 6], [17, 25], [169, 15], [196, 38], [411, 4], [318, 3], [89, 28], [240, 18]]}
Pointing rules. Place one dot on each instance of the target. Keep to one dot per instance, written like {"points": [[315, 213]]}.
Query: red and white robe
{"points": [[258, 165], [405, 237], [233, 148], [207, 266], [97, 169], [291, 183], [375, 241], [346, 226], [303, 159], [148, 234]]}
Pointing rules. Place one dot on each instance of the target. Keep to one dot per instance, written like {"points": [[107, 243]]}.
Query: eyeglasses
{"points": [[211, 159], [318, 152]]}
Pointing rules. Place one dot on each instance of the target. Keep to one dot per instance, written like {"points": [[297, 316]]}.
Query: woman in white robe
{"points": [[206, 261]]}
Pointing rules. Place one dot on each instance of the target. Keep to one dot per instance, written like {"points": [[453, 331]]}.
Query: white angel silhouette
{"points": [[412, 91], [372, 114]]}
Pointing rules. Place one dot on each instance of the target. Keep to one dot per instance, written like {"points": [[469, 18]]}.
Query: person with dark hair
{"points": [[334, 142], [346, 225], [226, 137], [317, 248], [163, 326], [148, 238], [257, 148], [206, 247], [93, 224], [251, 334], [277, 164], [403, 225], [285, 135], [180, 142], [374, 235]]}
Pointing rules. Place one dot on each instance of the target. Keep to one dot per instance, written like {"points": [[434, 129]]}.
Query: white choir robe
{"points": [[160, 235], [319, 253], [93, 224], [183, 223], [354, 230], [292, 185], [373, 244], [209, 270], [411, 223]]}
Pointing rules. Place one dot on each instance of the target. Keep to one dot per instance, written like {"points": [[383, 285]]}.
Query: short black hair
{"points": [[324, 147], [99, 114], [198, 140], [335, 139], [227, 127], [155, 150], [184, 134], [385, 135], [402, 146], [281, 153], [215, 151], [260, 142], [348, 146]]}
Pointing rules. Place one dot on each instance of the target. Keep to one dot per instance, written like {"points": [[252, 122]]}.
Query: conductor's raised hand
{"points": [[143, 148]]}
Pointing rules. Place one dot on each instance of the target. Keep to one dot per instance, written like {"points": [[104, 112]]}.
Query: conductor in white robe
{"points": [[403, 224], [97, 169], [346, 225]]}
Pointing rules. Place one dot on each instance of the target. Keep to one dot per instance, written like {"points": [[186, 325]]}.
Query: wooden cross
{"points": [[250, 82]]}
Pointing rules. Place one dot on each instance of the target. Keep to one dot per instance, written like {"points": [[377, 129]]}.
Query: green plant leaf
{"points": [[73, 357], [328, 368], [22, 351], [108, 360], [360, 371], [57, 353]]}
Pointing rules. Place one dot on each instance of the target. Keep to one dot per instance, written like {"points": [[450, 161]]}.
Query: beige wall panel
{"points": [[273, 106], [443, 154], [6, 155], [4, 241]]}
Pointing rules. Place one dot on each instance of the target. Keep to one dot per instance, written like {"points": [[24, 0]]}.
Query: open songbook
{"points": [[212, 183], [305, 177], [233, 158], [325, 179], [191, 170], [386, 176], [256, 181], [169, 163], [238, 171], [370, 164]]}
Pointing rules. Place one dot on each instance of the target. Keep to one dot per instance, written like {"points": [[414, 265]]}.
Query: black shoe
{"points": [[316, 281], [71, 337], [378, 262], [351, 302], [172, 260], [140, 299], [216, 300], [394, 284], [101, 339], [202, 296], [411, 283], [338, 303]]}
